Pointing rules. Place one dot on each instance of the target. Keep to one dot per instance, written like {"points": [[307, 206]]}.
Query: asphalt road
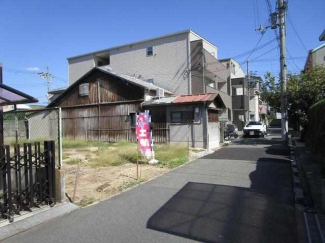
{"points": [[240, 193]]}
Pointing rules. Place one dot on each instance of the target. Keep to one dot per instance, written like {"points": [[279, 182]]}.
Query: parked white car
{"points": [[254, 128]]}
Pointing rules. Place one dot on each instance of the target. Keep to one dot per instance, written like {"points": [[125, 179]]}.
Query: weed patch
{"points": [[171, 156], [115, 155], [128, 184], [79, 143], [86, 201], [73, 161]]}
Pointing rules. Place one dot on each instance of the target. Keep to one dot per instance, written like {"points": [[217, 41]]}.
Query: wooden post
{"points": [[76, 182], [137, 161]]}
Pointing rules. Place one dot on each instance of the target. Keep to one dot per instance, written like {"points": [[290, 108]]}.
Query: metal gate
{"points": [[27, 177]]}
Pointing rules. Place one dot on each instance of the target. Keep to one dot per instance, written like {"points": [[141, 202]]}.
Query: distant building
{"points": [[322, 36], [20, 107], [54, 93], [182, 63], [315, 57]]}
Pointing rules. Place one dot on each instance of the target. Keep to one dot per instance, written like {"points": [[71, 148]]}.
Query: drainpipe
{"points": [[189, 64], [205, 124], [98, 118]]}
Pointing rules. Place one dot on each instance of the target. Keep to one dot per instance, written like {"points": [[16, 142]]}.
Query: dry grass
{"points": [[79, 143], [170, 156], [115, 155], [73, 161], [112, 167]]}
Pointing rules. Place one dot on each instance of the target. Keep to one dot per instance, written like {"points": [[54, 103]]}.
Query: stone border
{"points": [[30, 220], [297, 184]]}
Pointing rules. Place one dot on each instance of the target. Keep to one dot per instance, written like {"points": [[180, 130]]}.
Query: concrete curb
{"points": [[30, 220], [297, 186]]}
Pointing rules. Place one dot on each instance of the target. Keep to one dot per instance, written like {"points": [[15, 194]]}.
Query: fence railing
{"points": [[27, 177], [37, 125]]}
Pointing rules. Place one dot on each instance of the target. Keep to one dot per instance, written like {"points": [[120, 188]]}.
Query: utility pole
{"points": [[283, 67], [48, 77], [247, 86]]}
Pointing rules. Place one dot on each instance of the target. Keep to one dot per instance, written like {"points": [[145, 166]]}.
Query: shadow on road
{"points": [[256, 141], [218, 213]]}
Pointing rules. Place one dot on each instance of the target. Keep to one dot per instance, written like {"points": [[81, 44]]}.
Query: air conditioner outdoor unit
{"points": [[84, 89], [160, 92]]}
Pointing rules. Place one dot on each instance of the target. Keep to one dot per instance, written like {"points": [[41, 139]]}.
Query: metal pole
{"points": [[16, 123], [60, 136], [283, 65]]}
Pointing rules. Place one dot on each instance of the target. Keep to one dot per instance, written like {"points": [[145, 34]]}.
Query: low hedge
{"points": [[316, 130]]}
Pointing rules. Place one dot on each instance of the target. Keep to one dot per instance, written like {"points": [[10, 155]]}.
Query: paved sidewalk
{"points": [[241, 193], [313, 173]]}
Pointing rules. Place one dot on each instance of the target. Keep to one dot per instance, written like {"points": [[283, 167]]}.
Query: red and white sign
{"points": [[144, 134], [262, 109]]}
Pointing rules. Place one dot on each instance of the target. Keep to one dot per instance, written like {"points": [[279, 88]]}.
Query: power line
{"points": [[264, 54], [294, 29], [291, 58], [19, 71], [255, 49]]}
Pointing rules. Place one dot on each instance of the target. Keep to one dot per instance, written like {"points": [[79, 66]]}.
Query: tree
{"points": [[303, 91], [270, 91]]}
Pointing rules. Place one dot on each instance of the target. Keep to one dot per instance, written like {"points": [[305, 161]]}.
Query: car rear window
{"points": [[254, 123]]}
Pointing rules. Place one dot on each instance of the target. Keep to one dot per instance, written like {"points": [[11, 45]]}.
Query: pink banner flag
{"points": [[144, 134]]}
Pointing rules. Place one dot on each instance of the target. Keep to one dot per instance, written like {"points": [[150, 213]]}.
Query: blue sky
{"points": [[37, 33]]}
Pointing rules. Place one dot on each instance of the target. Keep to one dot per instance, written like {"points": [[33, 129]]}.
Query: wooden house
{"points": [[102, 105]]}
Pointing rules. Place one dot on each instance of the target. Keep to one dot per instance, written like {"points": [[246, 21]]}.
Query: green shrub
{"points": [[171, 155], [316, 130]]}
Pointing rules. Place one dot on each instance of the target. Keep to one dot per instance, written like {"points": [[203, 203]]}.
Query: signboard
{"points": [[144, 134], [223, 119], [262, 109]]}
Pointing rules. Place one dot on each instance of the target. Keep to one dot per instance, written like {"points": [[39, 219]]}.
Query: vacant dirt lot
{"points": [[107, 170]]}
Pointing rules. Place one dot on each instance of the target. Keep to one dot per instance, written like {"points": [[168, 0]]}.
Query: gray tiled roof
{"points": [[161, 101], [133, 80]]}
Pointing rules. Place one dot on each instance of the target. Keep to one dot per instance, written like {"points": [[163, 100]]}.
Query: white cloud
{"points": [[33, 69]]}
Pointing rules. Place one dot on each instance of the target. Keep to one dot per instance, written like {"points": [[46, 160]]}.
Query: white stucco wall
{"points": [[318, 56], [79, 66], [237, 71], [167, 66], [253, 107], [212, 49], [214, 134]]}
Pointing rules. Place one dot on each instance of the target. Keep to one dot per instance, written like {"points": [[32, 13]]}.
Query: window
{"points": [[149, 51], [84, 89], [176, 117], [252, 123], [182, 117], [133, 118], [150, 80], [211, 83]]}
